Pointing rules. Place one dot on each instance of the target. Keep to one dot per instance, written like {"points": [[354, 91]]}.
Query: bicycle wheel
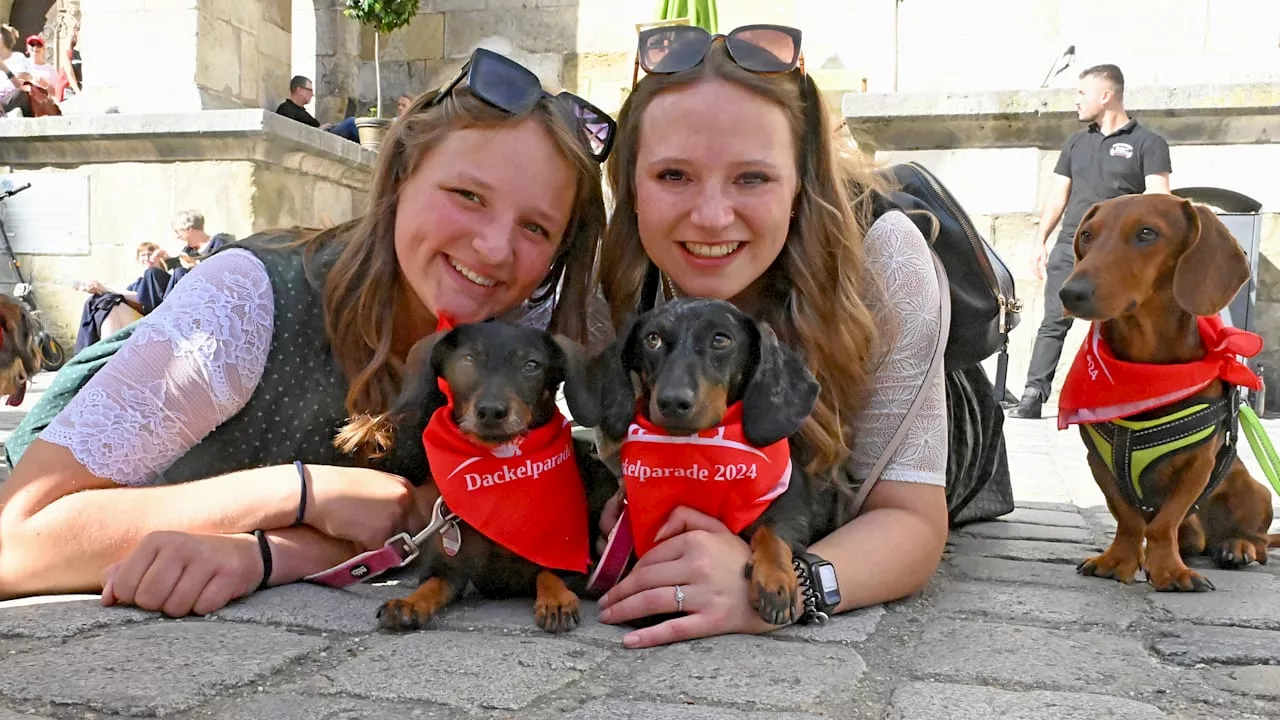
{"points": [[52, 354]]}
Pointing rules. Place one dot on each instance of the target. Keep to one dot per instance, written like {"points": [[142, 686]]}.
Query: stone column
{"points": [[174, 55], [337, 47]]}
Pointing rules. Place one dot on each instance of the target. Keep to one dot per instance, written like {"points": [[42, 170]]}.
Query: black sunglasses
{"points": [[758, 48], [508, 85]]}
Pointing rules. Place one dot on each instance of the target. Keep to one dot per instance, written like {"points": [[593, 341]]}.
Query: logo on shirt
{"points": [[1124, 150]]}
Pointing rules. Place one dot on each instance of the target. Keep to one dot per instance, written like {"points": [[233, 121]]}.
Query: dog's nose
{"points": [[676, 403], [1077, 293], [492, 411]]}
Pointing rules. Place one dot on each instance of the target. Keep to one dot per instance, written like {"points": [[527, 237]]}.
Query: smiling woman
{"points": [[164, 472]]}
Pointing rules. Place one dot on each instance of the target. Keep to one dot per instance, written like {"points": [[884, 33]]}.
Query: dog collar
{"points": [[526, 495], [1100, 387], [716, 472]]}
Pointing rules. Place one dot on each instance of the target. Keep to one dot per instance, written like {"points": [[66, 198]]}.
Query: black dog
{"points": [[503, 379], [692, 360]]}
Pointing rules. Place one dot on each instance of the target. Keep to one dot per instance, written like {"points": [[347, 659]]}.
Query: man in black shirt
{"points": [[1111, 157], [301, 90]]}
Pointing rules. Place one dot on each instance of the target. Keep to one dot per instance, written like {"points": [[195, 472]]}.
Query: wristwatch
{"points": [[818, 587]]}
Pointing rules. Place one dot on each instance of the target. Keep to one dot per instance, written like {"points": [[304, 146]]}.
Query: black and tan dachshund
{"points": [[19, 352], [503, 379], [691, 360]]}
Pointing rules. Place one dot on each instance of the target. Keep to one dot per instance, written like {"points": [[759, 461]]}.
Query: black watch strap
{"points": [[815, 597]]}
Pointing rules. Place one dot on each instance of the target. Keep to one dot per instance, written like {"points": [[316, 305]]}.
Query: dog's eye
{"points": [[1147, 235], [653, 340], [1085, 237], [467, 358], [532, 366], [721, 341]]}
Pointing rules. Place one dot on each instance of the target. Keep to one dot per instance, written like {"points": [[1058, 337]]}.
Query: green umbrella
{"points": [[700, 12]]}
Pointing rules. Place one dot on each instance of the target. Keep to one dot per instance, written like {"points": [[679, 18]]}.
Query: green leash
{"points": [[1261, 444]]}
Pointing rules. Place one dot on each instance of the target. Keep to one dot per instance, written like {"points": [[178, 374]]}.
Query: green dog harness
{"points": [[1134, 449]]}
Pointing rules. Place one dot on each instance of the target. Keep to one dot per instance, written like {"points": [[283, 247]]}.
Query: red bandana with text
{"points": [[525, 495], [1100, 387], [716, 472]]}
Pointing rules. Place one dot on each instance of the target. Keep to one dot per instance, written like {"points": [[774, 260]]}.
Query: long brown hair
{"points": [[819, 277], [365, 279]]}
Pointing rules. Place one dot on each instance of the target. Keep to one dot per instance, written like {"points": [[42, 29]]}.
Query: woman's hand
{"points": [[360, 505], [180, 573], [698, 553]]}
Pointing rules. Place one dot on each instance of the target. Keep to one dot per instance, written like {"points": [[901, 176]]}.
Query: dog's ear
{"points": [[422, 367], [580, 389], [780, 393], [33, 356], [611, 376], [1075, 241], [1212, 268]]}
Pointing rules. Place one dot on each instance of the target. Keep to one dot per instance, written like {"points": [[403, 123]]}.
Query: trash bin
{"points": [[1240, 213]]}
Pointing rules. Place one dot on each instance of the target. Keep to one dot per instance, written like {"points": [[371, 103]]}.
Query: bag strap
{"points": [[935, 367]]}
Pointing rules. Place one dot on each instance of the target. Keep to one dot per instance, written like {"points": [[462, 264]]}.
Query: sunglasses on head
{"points": [[758, 48], [508, 85]]}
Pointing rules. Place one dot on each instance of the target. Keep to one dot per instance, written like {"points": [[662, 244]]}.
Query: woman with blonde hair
{"points": [[728, 185], [198, 462]]}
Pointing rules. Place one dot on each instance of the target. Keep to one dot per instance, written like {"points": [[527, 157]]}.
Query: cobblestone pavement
{"points": [[1006, 630]]}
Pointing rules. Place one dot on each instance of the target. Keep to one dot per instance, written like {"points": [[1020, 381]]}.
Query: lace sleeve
{"points": [[899, 258], [189, 366]]}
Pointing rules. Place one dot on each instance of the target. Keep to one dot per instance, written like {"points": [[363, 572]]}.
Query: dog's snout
{"points": [[676, 403], [492, 411], [1077, 293]]}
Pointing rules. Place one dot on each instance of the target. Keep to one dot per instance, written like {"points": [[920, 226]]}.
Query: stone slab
{"points": [[516, 616], [1243, 608], [1053, 552], [462, 670], [1000, 529], [11, 715], [747, 671], [1022, 603], [975, 652], [303, 605], [1057, 518], [1051, 506], [1192, 645], [287, 706], [941, 701], [62, 617], [1024, 571], [1257, 680], [848, 628], [154, 669], [627, 710]]}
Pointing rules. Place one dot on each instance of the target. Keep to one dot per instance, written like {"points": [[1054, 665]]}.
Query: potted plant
{"points": [[383, 17]]}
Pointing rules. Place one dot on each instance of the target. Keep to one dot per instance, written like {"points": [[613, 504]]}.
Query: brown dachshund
{"points": [[500, 451], [1150, 269], [19, 351]]}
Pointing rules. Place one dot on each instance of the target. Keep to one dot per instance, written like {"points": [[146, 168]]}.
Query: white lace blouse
{"points": [[194, 362]]}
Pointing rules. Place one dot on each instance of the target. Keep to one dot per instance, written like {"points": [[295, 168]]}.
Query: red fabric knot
{"points": [[716, 472], [1100, 387]]}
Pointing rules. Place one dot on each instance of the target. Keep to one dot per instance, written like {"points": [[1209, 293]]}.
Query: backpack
{"points": [[984, 301]]}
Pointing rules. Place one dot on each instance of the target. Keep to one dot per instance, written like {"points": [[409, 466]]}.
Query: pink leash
{"points": [[395, 553], [617, 555]]}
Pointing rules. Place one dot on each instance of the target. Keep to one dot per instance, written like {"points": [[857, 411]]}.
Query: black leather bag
{"points": [[984, 302]]}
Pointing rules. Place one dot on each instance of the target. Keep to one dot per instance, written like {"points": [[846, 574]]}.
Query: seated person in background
{"points": [[188, 225], [109, 310], [14, 74], [301, 90], [43, 74]]}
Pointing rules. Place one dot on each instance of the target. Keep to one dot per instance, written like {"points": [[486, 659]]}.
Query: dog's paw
{"points": [[1237, 553], [1106, 565], [1178, 579], [404, 614], [772, 592], [557, 615]]}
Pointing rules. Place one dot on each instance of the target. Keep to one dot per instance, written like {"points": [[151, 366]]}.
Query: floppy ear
{"points": [[420, 391], [611, 376], [1212, 268], [780, 394], [580, 390], [26, 346], [1075, 241]]}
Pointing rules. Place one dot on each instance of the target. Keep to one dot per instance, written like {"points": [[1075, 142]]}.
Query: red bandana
{"points": [[1100, 387], [525, 495], [715, 472]]}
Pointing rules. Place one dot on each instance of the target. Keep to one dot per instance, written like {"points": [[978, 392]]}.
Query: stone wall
{"points": [[246, 170]]}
